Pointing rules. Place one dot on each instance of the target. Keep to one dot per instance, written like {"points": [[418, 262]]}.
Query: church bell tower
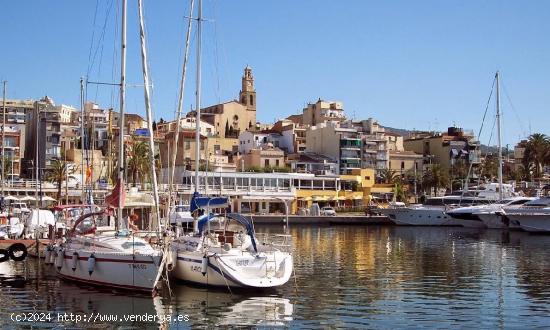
{"points": [[247, 96]]}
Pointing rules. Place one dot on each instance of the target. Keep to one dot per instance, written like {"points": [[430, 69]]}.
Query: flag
{"points": [[118, 196]]}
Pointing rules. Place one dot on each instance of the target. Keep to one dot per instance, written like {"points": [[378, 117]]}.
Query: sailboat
{"points": [[224, 249], [98, 253], [470, 216]]}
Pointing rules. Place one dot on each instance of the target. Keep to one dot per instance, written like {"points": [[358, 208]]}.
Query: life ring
{"points": [[4, 255], [18, 252]]}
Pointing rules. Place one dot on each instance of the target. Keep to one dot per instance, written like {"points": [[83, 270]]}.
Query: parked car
{"points": [[327, 210]]}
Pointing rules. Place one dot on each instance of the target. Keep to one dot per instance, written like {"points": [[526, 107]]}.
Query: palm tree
{"points": [[138, 161], [435, 177], [537, 153], [57, 173], [389, 176]]}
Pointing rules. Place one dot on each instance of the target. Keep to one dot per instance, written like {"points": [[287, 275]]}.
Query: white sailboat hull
{"points": [[240, 270], [120, 262], [123, 271]]}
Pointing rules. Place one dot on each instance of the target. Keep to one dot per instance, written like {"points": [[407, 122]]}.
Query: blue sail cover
{"points": [[198, 202], [203, 220]]}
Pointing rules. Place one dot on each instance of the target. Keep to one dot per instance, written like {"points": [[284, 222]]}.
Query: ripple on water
{"points": [[348, 277]]}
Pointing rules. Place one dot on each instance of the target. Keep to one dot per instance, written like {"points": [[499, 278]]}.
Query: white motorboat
{"points": [[226, 251], [180, 218], [431, 213], [107, 257], [533, 216], [471, 216]]}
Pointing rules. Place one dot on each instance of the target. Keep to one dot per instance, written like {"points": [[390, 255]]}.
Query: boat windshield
{"points": [[181, 208], [434, 201]]}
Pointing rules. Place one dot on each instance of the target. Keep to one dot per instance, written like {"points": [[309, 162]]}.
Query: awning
{"points": [[305, 198], [28, 198], [320, 198], [48, 198], [357, 197], [11, 198]]}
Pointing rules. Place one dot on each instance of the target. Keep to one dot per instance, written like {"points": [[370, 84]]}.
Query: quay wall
{"points": [[321, 220]]}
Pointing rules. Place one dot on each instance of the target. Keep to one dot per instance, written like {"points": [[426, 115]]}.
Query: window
{"points": [[266, 162], [251, 100], [187, 145], [402, 165], [276, 162]]}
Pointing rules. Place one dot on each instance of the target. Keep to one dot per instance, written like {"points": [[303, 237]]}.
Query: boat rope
{"points": [[217, 258]]}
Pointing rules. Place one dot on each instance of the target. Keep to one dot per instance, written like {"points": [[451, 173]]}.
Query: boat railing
{"points": [[275, 242]]}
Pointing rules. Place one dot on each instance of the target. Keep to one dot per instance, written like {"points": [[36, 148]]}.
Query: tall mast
{"points": [[3, 134], [120, 163], [148, 110], [499, 132], [82, 135], [172, 159], [198, 100]]}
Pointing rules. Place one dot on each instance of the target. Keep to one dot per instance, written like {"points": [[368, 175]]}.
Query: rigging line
{"points": [[216, 56], [101, 38], [518, 118], [93, 36], [115, 58], [478, 135]]}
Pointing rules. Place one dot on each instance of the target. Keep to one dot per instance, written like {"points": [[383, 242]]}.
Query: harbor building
{"points": [[293, 135], [10, 140], [342, 144], [447, 149], [323, 111], [265, 193]]}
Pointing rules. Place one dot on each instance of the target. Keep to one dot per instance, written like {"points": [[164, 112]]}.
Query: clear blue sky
{"points": [[409, 64]]}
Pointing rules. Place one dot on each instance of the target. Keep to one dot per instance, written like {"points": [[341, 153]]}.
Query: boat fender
{"points": [[172, 255], [47, 254], [4, 255], [18, 252], [59, 258], [204, 265], [91, 264], [74, 261]]}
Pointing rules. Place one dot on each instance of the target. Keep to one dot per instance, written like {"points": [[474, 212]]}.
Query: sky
{"points": [[422, 65]]}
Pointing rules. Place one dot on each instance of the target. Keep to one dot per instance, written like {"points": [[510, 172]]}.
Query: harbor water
{"points": [[346, 276]]}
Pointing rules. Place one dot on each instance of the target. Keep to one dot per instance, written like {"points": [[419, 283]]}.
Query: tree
{"points": [[389, 176], [435, 177], [139, 164], [537, 153], [57, 173]]}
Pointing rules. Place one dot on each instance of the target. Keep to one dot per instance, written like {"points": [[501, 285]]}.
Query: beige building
{"points": [[341, 144], [405, 161], [447, 148], [264, 157], [293, 135], [322, 111], [231, 118]]}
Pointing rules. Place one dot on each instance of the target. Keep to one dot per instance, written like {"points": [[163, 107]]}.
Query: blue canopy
{"points": [[203, 220], [198, 202]]}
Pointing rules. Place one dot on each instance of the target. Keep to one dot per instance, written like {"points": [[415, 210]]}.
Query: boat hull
{"points": [[222, 270], [117, 270], [535, 223], [419, 217]]}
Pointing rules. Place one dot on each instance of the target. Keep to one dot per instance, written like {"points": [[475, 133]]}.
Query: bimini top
{"points": [[198, 202], [203, 220]]}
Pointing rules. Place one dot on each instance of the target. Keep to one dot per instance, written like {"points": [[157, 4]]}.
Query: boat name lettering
{"points": [[196, 269], [241, 262], [137, 266]]}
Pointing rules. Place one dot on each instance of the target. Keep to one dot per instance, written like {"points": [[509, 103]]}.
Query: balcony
{"points": [[349, 143]]}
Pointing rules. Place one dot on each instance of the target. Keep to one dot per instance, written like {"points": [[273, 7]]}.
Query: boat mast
{"points": [[172, 160], [148, 110], [499, 146], [198, 99], [82, 170], [120, 163], [3, 135]]}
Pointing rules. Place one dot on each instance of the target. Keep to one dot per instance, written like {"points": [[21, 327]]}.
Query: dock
{"points": [[321, 220]]}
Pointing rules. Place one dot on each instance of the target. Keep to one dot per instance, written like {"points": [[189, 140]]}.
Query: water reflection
{"points": [[345, 277], [220, 307]]}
